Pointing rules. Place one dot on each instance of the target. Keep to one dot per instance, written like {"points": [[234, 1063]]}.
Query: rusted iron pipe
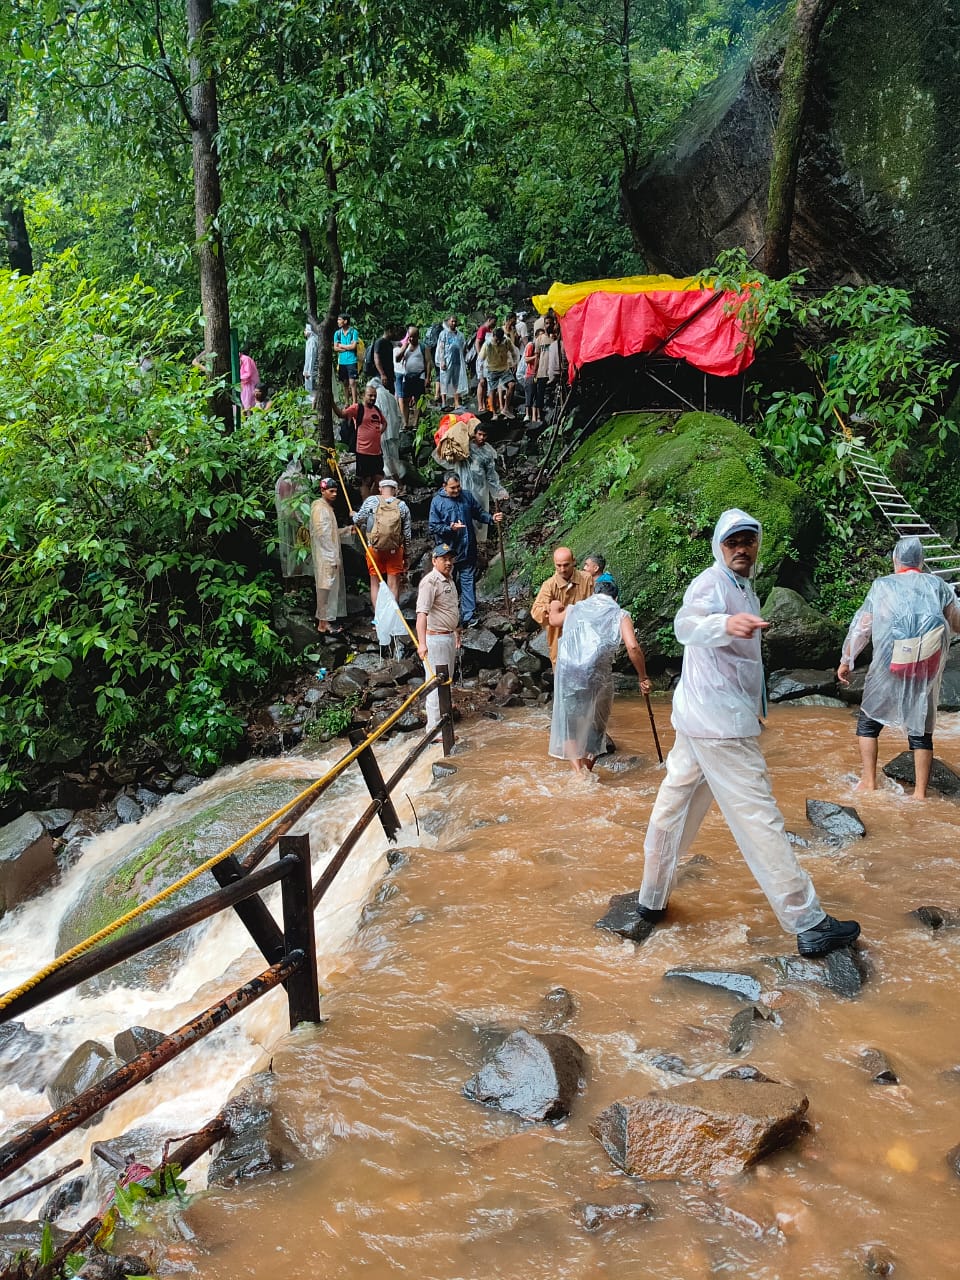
{"points": [[130, 944], [38, 1186], [43, 1134]]}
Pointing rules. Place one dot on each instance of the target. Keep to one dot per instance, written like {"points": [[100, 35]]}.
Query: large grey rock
{"points": [[257, 1143], [478, 640], [56, 821], [127, 809], [841, 971], [27, 860], [556, 1009], [743, 985], [348, 681], [841, 821], [799, 635], [539, 646], [942, 777], [701, 1131], [785, 686], [89, 1063], [535, 1076], [67, 1196]]}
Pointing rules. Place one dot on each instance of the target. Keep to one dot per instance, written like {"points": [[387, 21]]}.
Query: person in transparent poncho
{"points": [[908, 614], [716, 756], [593, 631]]}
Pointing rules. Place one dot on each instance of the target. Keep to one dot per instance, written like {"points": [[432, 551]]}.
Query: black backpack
{"points": [[369, 366], [349, 428]]}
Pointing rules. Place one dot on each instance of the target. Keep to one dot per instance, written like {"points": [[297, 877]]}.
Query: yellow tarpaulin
{"points": [[564, 296]]}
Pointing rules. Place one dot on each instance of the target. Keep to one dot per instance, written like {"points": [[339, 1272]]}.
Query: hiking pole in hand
{"points": [[653, 726], [503, 562]]}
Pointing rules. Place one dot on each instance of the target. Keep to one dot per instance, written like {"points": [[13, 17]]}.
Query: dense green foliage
{"points": [[132, 592]]}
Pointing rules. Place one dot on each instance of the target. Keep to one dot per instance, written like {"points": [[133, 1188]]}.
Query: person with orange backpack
{"points": [[388, 529]]}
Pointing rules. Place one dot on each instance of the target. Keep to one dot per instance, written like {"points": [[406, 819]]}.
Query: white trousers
{"points": [[733, 772], [441, 651]]}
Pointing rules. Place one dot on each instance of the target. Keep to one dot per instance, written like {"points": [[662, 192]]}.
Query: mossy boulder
{"points": [[646, 490], [799, 635], [145, 868]]}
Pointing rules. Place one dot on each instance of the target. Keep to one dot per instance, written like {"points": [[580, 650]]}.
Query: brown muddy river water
{"points": [[412, 1179]]}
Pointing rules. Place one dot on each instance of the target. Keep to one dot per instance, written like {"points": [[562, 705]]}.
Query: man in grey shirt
{"points": [[438, 614]]}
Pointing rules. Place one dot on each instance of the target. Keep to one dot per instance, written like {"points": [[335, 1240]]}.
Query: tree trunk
{"points": [[204, 124], [795, 82], [329, 323], [19, 252], [309, 273]]}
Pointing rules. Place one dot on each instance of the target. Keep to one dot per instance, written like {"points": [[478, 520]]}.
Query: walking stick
{"points": [[503, 562], [653, 726]]}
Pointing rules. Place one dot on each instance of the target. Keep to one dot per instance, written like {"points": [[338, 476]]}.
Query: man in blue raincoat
{"points": [[908, 614], [452, 513]]}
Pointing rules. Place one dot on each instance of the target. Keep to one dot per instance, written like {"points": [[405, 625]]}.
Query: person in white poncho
{"points": [[327, 555], [908, 614], [716, 756], [593, 631]]}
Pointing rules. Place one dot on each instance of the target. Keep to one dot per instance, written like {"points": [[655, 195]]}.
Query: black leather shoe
{"points": [[829, 935], [653, 915]]}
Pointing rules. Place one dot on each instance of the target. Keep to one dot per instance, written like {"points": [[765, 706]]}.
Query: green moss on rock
{"points": [[647, 490], [142, 871]]}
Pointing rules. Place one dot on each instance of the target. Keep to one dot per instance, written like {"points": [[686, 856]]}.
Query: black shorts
{"points": [[867, 728], [347, 372], [368, 465], [413, 386]]}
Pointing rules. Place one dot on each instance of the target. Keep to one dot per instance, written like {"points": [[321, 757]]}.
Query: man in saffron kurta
{"points": [[568, 585]]}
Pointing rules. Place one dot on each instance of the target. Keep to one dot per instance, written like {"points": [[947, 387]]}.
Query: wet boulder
{"points": [[129, 1044], [150, 862], [746, 1071], [878, 1261], [700, 1131], [508, 688], [841, 971], [478, 642], [21, 1057], [743, 985], [953, 1159], [107, 1266], [534, 1076], [594, 1216], [942, 777], [785, 686], [67, 1196], [27, 860], [617, 762], [798, 633], [17, 1236], [556, 1009], [442, 770], [742, 1026], [878, 1066], [257, 1143], [839, 821], [623, 917], [937, 917], [89, 1063]]}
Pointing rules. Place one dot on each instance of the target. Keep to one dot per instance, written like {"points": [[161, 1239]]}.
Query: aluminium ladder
{"points": [[940, 557]]}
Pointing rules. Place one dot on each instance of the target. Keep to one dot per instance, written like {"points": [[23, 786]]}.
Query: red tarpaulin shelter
{"points": [[638, 314]]}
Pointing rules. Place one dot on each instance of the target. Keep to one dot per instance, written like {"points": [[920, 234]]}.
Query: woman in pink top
{"points": [[249, 377]]}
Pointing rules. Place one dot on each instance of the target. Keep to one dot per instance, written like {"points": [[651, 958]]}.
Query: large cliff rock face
{"points": [[879, 185]]}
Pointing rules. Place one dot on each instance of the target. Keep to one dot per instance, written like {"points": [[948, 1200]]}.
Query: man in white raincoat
{"points": [[716, 755], [909, 615], [593, 631]]}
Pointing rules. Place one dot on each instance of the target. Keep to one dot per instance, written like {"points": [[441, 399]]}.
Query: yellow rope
{"points": [[844, 427], [105, 932]]}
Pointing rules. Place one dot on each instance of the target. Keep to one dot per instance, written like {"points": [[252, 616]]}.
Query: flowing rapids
{"points": [[498, 907]]}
